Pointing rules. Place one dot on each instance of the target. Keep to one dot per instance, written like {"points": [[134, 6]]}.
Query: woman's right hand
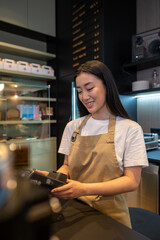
{"points": [[42, 172]]}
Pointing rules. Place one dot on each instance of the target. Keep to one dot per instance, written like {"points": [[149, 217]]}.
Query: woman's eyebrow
{"points": [[77, 87], [85, 85], [88, 84]]}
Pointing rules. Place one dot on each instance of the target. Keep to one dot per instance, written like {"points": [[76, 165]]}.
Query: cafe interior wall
{"points": [[145, 21], [147, 114], [148, 108]]}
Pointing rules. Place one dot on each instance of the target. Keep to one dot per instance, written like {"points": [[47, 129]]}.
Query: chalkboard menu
{"points": [[87, 31]]}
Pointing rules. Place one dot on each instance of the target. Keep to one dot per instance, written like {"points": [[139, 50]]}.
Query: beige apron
{"points": [[93, 159]]}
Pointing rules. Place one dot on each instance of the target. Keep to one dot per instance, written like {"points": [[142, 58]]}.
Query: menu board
{"points": [[87, 31]]}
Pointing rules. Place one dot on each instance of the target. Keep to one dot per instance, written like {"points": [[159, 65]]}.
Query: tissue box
{"points": [[47, 70], [23, 66], [36, 68], [9, 64]]}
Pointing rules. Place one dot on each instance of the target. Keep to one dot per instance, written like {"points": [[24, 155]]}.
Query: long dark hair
{"points": [[101, 71]]}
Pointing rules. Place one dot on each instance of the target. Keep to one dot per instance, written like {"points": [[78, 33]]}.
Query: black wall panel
{"points": [[91, 29], [64, 67], [119, 26]]}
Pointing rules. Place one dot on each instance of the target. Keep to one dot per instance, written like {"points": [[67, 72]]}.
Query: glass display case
{"points": [[26, 111]]}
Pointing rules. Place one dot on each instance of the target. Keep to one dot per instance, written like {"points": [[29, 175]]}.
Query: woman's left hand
{"points": [[72, 189]]}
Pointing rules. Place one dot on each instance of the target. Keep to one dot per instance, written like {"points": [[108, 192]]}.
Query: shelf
{"points": [[24, 87], [23, 51], [24, 75], [40, 99], [27, 122], [25, 32], [147, 91], [29, 139], [143, 64], [20, 86]]}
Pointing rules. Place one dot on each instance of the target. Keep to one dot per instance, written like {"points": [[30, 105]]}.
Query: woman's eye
{"points": [[79, 92], [89, 89]]}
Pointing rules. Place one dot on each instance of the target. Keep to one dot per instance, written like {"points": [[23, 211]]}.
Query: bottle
{"points": [[155, 79]]}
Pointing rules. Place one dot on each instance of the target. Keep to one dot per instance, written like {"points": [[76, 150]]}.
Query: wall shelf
{"points": [[24, 75], [27, 52], [147, 91], [143, 64]]}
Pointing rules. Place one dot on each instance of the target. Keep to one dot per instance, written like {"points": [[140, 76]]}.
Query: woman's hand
{"points": [[72, 189]]}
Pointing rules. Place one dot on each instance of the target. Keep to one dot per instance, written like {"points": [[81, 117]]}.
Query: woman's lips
{"points": [[89, 104]]}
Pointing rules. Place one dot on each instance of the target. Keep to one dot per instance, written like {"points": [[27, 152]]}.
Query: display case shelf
{"points": [[26, 109], [27, 122], [38, 133], [39, 99], [23, 87], [20, 91]]}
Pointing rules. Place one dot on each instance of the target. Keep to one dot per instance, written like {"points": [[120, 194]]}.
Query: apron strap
{"points": [[77, 131], [111, 128], [83, 123]]}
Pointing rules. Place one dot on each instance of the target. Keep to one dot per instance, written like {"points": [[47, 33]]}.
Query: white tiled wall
{"points": [[148, 108], [148, 112]]}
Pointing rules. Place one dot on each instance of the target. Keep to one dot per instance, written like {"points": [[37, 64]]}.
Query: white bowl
{"points": [[140, 85]]}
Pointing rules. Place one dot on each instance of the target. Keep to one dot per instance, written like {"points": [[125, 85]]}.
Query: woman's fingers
{"points": [[42, 172]]}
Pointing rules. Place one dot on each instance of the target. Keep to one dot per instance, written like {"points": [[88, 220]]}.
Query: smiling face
{"points": [[92, 93]]}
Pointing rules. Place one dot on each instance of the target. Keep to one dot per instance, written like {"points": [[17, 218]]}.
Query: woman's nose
{"points": [[85, 95]]}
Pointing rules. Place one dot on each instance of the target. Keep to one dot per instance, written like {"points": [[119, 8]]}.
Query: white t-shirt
{"points": [[129, 141]]}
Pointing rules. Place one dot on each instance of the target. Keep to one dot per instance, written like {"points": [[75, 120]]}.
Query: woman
{"points": [[104, 150]]}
